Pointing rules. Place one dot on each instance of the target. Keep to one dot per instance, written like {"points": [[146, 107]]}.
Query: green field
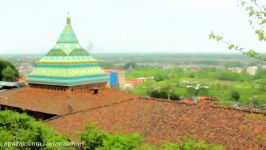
{"points": [[221, 84]]}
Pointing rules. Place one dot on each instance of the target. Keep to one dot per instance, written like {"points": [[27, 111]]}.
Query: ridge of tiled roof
{"points": [[244, 110], [115, 103], [89, 109], [162, 120], [58, 102]]}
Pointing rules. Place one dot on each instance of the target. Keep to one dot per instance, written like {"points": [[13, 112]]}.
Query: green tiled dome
{"points": [[67, 44], [68, 35], [67, 63]]}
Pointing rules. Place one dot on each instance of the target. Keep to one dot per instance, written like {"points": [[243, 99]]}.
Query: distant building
{"points": [[252, 70], [116, 78]]}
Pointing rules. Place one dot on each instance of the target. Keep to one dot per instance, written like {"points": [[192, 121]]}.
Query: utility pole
{"points": [[169, 94], [197, 88]]}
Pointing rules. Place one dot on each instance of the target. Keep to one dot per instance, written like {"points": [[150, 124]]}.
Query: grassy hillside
{"points": [[221, 83]]}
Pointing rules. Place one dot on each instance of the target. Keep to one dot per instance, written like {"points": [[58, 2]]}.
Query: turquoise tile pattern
{"points": [[67, 63]]}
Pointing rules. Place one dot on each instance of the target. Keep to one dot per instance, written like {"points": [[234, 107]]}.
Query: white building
{"points": [[252, 70]]}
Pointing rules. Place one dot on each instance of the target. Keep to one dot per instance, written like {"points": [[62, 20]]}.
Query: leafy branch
{"points": [[256, 13], [250, 53]]}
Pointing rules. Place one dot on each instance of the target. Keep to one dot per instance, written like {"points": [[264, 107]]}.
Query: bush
{"points": [[95, 139], [92, 138], [121, 142], [15, 127], [159, 94], [164, 95], [174, 96], [190, 144], [159, 77], [235, 95], [99, 140]]}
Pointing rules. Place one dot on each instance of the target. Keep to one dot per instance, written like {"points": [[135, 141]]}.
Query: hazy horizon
{"points": [[120, 26], [140, 53]]}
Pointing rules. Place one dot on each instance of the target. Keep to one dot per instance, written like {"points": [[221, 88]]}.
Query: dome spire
{"points": [[68, 19]]}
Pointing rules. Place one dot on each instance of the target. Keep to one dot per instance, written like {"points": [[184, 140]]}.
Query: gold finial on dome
{"points": [[68, 19]]}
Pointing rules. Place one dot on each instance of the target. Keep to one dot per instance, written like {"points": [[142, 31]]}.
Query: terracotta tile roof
{"points": [[164, 120], [59, 102]]}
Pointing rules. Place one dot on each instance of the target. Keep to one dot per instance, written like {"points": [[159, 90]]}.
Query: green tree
{"points": [[235, 95], [159, 94], [174, 96], [96, 139], [159, 77], [93, 138], [16, 127], [8, 74], [3, 65], [130, 66]]}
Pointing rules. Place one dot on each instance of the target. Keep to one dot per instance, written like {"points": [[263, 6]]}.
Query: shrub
{"points": [[191, 144], [235, 95], [159, 94], [92, 138], [121, 142], [174, 96], [96, 139], [99, 140], [159, 77], [15, 127], [164, 95]]}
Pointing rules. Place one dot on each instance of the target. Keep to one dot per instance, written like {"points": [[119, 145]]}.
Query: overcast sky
{"points": [[33, 26]]}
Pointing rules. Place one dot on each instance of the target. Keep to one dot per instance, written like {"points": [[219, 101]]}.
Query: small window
{"points": [[95, 91]]}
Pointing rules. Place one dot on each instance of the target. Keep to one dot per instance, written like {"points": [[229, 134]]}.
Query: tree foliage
{"points": [[130, 66], [257, 19], [8, 71], [159, 77], [8, 74], [15, 127], [163, 94], [191, 144], [235, 95], [96, 139]]}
